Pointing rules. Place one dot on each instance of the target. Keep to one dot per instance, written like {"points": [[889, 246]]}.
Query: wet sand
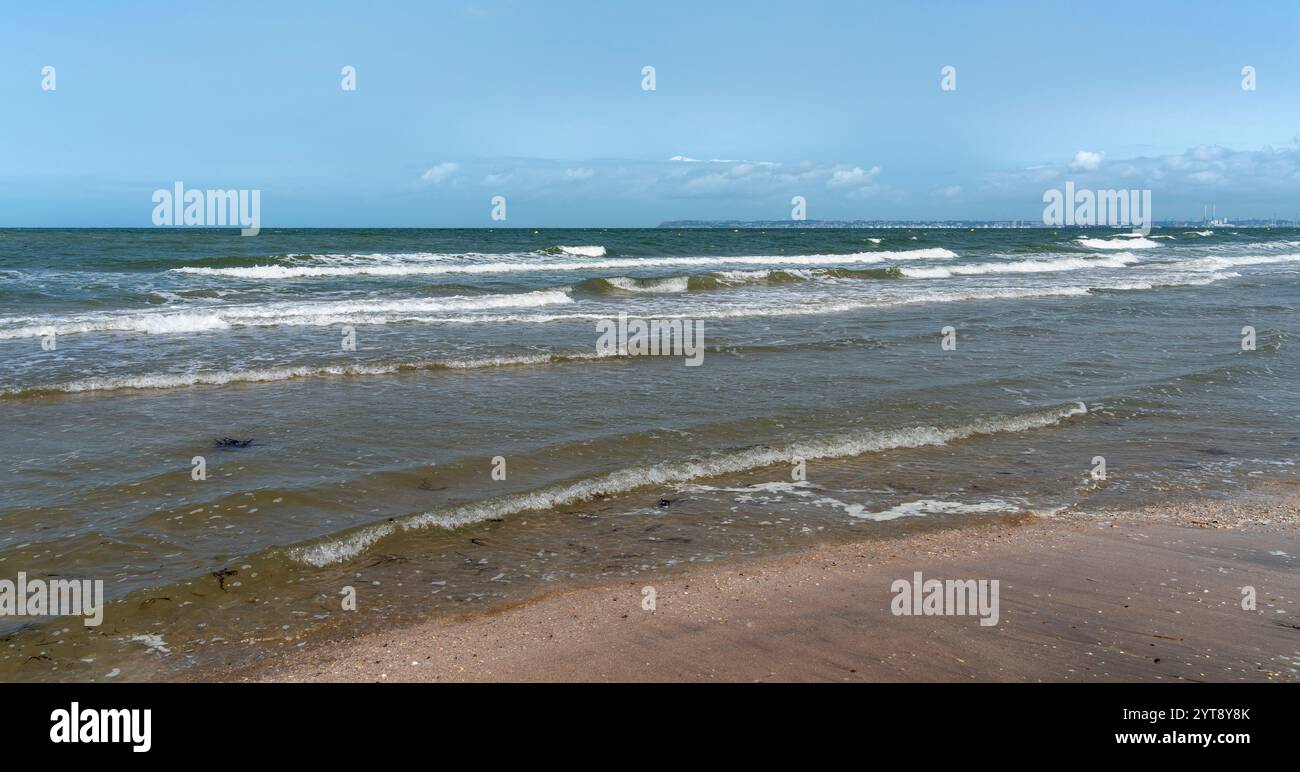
{"points": [[1152, 595]]}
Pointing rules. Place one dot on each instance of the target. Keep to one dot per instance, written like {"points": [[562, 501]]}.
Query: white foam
{"points": [[383, 257], [470, 310], [153, 642], [743, 277], [776, 486], [1171, 280], [1022, 266], [537, 265], [804, 307], [336, 549], [273, 374], [276, 314], [1217, 263], [923, 507], [671, 284], [593, 251], [799, 308], [1128, 241]]}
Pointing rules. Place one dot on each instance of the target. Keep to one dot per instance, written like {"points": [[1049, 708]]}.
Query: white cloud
{"points": [[1086, 161], [677, 178], [688, 160], [709, 183], [855, 177], [1181, 183], [440, 172]]}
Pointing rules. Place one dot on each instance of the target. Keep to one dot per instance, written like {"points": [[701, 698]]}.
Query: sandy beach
{"points": [[1150, 595]]}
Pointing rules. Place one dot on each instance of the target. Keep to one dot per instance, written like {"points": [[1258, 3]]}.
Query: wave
{"points": [[1022, 266], [795, 308], [342, 547], [162, 381], [592, 251], [620, 284], [1174, 280], [735, 278], [806, 491], [397, 258], [273, 374], [474, 309], [617, 285], [1123, 242], [532, 266], [274, 314], [380, 257], [892, 272], [811, 308], [790, 275], [921, 508], [1237, 248], [1217, 263]]}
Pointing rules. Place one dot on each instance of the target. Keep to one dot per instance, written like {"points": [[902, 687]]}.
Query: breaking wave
{"points": [[1123, 242], [1217, 263], [345, 546], [273, 314], [1022, 266], [272, 374], [425, 268], [592, 251]]}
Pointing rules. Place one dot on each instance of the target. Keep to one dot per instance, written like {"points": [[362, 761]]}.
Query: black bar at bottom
{"points": [[238, 723]]}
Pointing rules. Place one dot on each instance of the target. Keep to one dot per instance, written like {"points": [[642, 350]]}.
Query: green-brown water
{"points": [[373, 468]]}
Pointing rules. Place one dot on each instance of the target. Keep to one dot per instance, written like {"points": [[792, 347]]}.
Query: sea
{"points": [[260, 443]]}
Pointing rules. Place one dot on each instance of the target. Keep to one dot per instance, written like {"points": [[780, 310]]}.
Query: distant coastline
{"points": [[948, 224]]}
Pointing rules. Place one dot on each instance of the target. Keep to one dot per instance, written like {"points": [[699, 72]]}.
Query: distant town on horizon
{"points": [[1251, 223]]}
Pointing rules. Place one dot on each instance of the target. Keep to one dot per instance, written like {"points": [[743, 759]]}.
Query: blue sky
{"points": [[541, 102]]}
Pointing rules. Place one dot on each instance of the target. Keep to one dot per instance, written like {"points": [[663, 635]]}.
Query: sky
{"points": [[543, 103]]}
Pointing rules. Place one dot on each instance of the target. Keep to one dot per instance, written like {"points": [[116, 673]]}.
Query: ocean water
{"points": [[475, 447]]}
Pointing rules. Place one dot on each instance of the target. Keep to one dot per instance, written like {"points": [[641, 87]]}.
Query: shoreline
{"points": [[1148, 595]]}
